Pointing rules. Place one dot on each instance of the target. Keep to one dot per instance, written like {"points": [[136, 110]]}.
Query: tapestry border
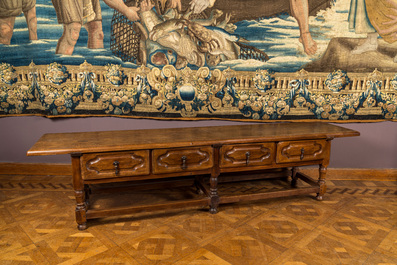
{"points": [[87, 90]]}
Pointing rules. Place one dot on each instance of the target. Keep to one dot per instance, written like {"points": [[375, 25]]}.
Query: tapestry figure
{"points": [[9, 10], [190, 41], [74, 14], [360, 23], [299, 10], [383, 17]]}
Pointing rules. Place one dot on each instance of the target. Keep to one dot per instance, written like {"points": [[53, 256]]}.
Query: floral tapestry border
{"points": [[56, 90]]}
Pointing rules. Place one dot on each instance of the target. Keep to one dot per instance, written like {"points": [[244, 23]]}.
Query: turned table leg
{"points": [[323, 170], [214, 194], [80, 193], [321, 182]]}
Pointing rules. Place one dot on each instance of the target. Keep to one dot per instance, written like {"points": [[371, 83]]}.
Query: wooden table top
{"points": [[124, 140]]}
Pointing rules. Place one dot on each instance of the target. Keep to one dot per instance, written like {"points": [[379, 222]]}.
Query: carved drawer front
{"points": [[117, 164], [179, 160], [247, 155], [296, 151]]}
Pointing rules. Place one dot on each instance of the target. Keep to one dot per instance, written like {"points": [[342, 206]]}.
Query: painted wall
{"points": [[375, 148]]}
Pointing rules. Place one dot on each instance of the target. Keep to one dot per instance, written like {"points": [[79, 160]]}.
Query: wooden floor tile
{"points": [[297, 256], [332, 248], [202, 257], [356, 230], [378, 258], [160, 246], [202, 227], [13, 237], [71, 247], [111, 256], [25, 255], [373, 211], [279, 228], [245, 245], [356, 223], [308, 210], [389, 245]]}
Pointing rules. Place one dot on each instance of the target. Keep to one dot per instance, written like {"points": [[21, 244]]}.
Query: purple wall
{"points": [[375, 148]]}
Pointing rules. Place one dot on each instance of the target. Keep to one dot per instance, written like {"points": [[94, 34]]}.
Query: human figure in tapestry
{"points": [[220, 43], [360, 23], [168, 42], [212, 39], [9, 10], [299, 9], [200, 59], [224, 35], [74, 14], [374, 18]]}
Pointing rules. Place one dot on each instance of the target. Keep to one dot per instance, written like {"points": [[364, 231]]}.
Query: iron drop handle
{"points": [[184, 159], [116, 165], [302, 153], [247, 158]]}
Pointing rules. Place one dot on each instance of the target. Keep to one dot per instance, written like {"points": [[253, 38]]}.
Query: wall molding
{"points": [[35, 169], [377, 174], [40, 169]]}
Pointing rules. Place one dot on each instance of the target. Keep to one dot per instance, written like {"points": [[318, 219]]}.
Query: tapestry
{"points": [[251, 60]]}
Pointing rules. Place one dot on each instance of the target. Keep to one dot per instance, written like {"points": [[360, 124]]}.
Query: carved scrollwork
{"points": [[186, 91]]}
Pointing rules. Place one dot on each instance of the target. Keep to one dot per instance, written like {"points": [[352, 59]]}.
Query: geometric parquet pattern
{"points": [[356, 223]]}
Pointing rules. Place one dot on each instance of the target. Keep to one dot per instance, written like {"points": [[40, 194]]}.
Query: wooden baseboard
{"points": [[333, 173], [35, 169], [378, 174]]}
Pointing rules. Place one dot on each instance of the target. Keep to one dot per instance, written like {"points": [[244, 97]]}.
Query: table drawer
{"points": [[117, 164], [181, 159], [295, 151], [247, 155]]}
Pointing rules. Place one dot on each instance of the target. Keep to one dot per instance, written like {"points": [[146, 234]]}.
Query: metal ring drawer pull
{"points": [[184, 166], [247, 158], [116, 165], [302, 153]]}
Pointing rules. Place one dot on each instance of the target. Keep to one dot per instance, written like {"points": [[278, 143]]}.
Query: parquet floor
{"points": [[355, 224]]}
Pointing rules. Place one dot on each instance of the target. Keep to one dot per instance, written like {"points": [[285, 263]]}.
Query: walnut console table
{"points": [[143, 155]]}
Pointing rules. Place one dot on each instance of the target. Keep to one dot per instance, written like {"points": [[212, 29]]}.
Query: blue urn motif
{"points": [[187, 92]]}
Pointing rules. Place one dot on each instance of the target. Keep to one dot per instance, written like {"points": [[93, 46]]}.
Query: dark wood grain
{"points": [[247, 155], [143, 155], [103, 165], [92, 142]]}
